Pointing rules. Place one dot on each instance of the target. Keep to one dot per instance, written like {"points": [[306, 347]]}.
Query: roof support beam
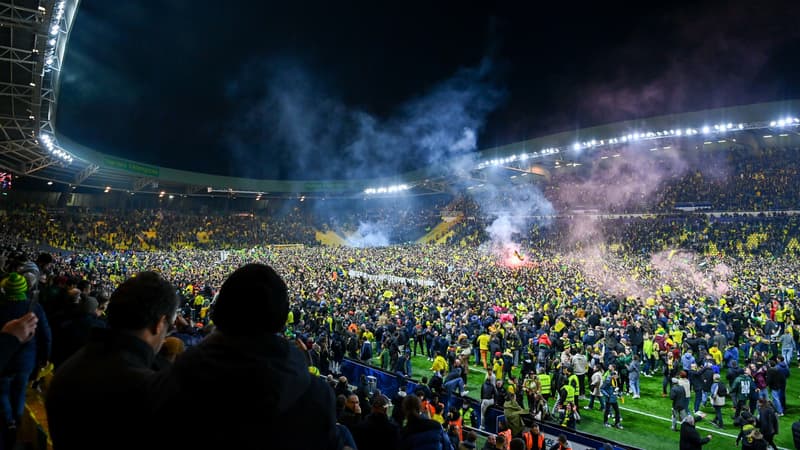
{"points": [[88, 171]]}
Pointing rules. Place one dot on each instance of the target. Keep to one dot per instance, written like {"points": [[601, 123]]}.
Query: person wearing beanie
{"points": [[105, 385], [35, 353], [247, 359], [14, 286]]}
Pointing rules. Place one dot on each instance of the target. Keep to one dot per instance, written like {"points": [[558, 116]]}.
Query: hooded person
{"points": [[247, 360]]}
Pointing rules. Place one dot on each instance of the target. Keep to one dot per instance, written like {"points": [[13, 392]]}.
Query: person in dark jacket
{"points": [[755, 441], [680, 403], [34, 354], [246, 361], [776, 382], [767, 421], [106, 383], [796, 434], [421, 433], [350, 416], [690, 438], [73, 332], [15, 333], [377, 431]]}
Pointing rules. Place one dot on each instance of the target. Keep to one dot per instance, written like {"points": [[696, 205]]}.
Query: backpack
{"points": [[722, 390]]}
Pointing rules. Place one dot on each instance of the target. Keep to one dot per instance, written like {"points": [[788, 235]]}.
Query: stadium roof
{"points": [[33, 39]]}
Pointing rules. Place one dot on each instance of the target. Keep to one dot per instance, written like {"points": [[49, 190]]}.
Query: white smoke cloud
{"points": [[369, 234], [332, 140]]}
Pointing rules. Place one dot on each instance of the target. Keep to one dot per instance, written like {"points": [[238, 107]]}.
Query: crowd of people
{"points": [[577, 328], [738, 178], [170, 314]]}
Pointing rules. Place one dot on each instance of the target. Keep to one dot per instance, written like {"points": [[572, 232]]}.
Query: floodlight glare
{"points": [[706, 129]]}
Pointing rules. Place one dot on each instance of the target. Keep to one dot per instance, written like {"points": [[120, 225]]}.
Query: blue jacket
{"points": [[424, 434], [37, 350], [731, 354]]}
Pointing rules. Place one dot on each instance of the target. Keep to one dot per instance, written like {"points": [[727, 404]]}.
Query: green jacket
{"points": [[514, 413]]}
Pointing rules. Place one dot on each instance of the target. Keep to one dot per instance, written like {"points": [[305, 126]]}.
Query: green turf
{"points": [[647, 432]]}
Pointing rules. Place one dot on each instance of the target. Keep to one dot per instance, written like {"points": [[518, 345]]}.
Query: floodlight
{"points": [[706, 129], [576, 146]]}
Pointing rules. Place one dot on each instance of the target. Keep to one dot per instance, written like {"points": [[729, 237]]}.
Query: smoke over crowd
{"points": [[332, 140]]}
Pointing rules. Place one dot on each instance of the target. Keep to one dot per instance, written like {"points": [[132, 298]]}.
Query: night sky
{"points": [[302, 90]]}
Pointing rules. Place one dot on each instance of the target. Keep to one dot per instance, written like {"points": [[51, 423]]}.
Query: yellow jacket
{"points": [[439, 365]]}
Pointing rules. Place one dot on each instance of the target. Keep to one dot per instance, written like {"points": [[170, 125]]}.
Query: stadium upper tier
{"points": [[752, 126], [35, 40]]}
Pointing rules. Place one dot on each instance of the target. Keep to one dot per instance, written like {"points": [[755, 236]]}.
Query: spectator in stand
{"points": [[351, 414], [14, 333], [33, 355], [287, 402], [107, 382], [377, 431], [420, 433], [73, 332]]}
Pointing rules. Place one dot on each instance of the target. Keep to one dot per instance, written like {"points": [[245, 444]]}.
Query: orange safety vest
{"points": [[528, 437], [428, 407], [507, 435], [459, 424]]}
